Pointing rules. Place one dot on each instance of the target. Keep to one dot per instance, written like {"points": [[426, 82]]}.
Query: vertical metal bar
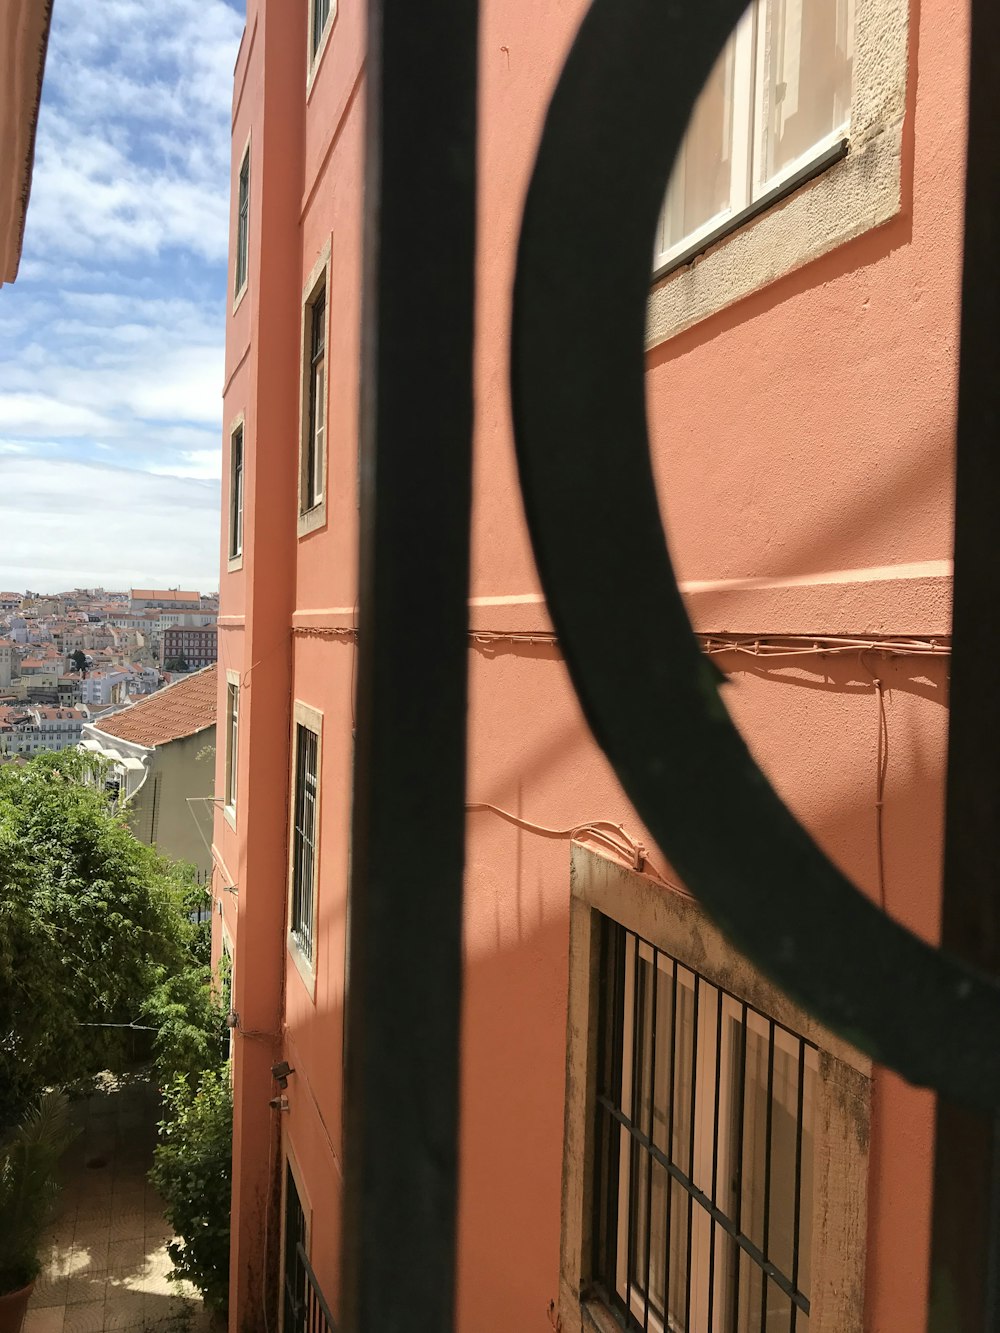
{"points": [[670, 1139], [607, 1008], [799, 1110], [409, 767], [652, 1117], [694, 1089], [617, 1034], [966, 1240], [715, 1157], [738, 1174], [766, 1236], [633, 1120]]}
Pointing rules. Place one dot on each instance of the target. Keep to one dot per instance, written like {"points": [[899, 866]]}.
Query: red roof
{"points": [[181, 709], [165, 595]]}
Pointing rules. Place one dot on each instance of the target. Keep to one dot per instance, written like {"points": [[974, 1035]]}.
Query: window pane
{"points": [[807, 49], [319, 413], [700, 185], [769, 1176]]}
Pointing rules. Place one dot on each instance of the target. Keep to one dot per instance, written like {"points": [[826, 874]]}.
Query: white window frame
{"points": [[317, 287], [309, 719], [842, 1093], [231, 796], [316, 49], [237, 493], [842, 188], [241, 247], [749, 190]]}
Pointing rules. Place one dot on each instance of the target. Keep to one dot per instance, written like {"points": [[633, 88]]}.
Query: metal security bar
{"points": [[704, 1134], [306, 1310], [617, 116]]}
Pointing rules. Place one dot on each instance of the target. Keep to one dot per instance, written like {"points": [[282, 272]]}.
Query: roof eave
{"points": [[24, 37]]}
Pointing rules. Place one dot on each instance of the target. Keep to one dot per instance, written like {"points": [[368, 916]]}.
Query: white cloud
{"points": [[202, 463], [116, 368], [133, 139], [30, 413], [111, 341], [69, 524]]}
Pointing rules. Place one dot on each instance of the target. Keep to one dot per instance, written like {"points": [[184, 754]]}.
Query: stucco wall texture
{"points": [[802, 445]]}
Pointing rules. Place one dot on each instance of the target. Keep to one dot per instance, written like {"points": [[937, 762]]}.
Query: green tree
{"points": [[176, 664], [192, 1170], [96, 939], [79, 660]]}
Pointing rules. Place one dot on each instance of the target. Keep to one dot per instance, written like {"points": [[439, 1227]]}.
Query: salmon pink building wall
{"points": [[802, 444]]}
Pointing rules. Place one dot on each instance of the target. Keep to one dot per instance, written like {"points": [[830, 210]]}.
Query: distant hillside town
{"points": [[69, 658]]}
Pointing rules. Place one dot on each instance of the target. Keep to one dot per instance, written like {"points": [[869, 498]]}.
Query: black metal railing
{"points": [[306, 1310], [618, 114]]}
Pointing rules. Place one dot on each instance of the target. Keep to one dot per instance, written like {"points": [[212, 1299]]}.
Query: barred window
{"points": [[704, 1152], [304, 839]]}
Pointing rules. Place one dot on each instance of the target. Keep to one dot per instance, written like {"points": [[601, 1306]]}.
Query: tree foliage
{"points": [[28, 1159], [192, 1170], [96, 939]]}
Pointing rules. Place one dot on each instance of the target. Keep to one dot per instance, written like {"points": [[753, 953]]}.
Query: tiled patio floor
{"points": [[105, 1255]]}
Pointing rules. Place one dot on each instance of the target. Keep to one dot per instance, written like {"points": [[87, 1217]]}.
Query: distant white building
{"points": [[161, 751], [36, 729], [100, 689]]}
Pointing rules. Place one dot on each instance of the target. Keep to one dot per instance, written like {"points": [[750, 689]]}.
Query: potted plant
{"points": [[28, 1160]]}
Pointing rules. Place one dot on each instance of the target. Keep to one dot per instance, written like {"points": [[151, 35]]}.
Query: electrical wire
{"points": [[752, 645], [612, 836], [881, 770], [807, 645]]}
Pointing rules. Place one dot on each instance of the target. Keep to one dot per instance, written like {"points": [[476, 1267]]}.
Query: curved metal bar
{"points": [[651, 698]]}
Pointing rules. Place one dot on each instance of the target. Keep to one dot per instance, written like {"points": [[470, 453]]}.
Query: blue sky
{"points": [[111, 339]]}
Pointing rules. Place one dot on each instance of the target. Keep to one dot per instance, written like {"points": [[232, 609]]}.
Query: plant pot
{"points": [[13, 1305]]}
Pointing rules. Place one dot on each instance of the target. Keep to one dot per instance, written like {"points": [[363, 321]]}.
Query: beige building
{"points": [[162, 755]]}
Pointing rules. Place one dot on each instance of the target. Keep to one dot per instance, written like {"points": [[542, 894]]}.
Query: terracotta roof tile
{"points": [[181, 709], [165, 595]]}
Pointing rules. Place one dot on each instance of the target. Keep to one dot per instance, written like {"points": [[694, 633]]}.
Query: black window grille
{"points": [[243, 225], [304, 848], [313, 478], [703, 1152], [236, 495], [306, 1310], [321, 12]]}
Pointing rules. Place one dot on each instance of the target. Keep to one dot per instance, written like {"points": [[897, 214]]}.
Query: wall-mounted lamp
{"points": [[280, 1072]]}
